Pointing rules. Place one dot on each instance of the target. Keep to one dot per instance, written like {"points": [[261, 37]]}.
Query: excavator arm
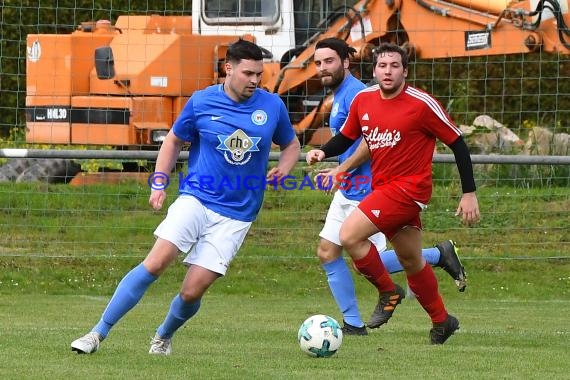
{"points": [[426, 29]]}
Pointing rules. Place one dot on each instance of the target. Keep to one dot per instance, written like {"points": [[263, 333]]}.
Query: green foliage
{"points": [[16, 138], [508, 175], [525, 176], [509, 88]]}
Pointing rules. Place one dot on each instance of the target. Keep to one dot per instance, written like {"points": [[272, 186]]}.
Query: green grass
{"points": [[64, 249], [252, 336]]}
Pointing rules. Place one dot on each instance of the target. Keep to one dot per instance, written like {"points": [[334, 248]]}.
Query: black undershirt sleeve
{"points": [[337, 145], [464, 165]]}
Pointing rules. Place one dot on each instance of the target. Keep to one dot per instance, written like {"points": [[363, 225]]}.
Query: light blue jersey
{"points": [[343, 96], [230, 145]]}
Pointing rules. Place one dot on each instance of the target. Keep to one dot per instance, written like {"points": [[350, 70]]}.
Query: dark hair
{"points": [[387, 47], [242, 49], [339, 46]]}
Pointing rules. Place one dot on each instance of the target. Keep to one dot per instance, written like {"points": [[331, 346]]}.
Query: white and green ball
{"points": [[320, 336]]}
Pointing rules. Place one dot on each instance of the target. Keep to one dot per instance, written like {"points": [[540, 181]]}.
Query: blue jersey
{"points": [[230, 145], [343, 96]]}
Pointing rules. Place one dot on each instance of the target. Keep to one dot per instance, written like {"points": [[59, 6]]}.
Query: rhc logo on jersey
{"points": [[238, 146]]}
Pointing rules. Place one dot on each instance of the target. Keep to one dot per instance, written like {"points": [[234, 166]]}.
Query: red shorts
{"points": [[390, 209]]}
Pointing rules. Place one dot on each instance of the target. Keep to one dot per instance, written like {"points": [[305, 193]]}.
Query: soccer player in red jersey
{"points": [[400, 124]]}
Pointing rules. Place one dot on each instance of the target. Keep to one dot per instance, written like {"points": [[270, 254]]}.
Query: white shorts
{"points": [[210, 239], [339, 210]]}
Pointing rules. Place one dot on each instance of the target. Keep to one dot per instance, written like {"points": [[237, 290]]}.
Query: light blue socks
{"points": [[342, 288], [128, 293], [180, 311], [392, 265]]}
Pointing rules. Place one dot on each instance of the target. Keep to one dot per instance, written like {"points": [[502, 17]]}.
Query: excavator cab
{"points": [[309, 18]]}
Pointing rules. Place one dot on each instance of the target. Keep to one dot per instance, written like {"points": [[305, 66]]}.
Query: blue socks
{"points": [[128, 293], [180, 311], [390, 260], [342, 288], [431, 255]]}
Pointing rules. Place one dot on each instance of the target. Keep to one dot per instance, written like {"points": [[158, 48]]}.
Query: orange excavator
{"points": [[123, 84]]}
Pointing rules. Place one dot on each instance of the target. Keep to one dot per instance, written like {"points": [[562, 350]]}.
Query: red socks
{"points": [[372, 268], [424, 285]]}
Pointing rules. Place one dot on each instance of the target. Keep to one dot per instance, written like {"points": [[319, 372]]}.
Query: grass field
{"points": [[63, 250]]}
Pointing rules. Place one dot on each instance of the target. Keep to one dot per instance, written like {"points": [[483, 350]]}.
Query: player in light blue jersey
{"points": [[332, 58], [231, 128]]}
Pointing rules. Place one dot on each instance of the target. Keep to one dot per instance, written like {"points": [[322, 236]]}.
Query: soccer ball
{"points": [[320, 336]]}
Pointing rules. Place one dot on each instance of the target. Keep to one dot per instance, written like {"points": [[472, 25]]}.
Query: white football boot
{"points": [[87, 344], [160, 346]]}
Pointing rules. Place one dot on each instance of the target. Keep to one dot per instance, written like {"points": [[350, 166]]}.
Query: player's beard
{"points": [[333, 80]]}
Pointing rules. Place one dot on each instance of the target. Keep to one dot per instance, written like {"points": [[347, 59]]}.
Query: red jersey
{"points": [[401, 134]]}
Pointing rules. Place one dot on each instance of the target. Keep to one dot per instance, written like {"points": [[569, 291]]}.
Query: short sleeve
{"points": [[284, 131], [185, 125]]}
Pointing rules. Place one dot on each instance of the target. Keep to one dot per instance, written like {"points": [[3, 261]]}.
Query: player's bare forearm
{"points": [[360, 156], [168, 154], [167, 157], [287, 160]]}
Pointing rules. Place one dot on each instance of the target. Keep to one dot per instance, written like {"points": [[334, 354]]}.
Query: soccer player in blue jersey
{"points": [[332, 60], [230, 128]]}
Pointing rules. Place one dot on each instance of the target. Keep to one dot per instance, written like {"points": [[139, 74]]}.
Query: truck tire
{"points": [[51, 171], [12, 169]]}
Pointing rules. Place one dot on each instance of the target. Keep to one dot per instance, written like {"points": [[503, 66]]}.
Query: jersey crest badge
{"points": [[259, 117]]}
